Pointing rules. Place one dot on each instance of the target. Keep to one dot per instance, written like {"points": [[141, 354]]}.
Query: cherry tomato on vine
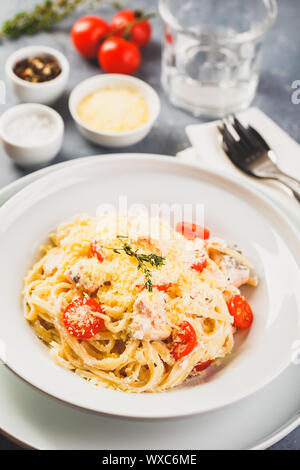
{"points": [[139, 33], [186, 341], [241, 311], [79, 318], [87, 33], [119, 56]]}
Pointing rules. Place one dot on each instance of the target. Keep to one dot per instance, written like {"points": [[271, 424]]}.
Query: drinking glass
{"points": [[212, 52]]}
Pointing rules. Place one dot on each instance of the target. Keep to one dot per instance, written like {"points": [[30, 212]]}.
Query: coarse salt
{"points": [[31, 129]]}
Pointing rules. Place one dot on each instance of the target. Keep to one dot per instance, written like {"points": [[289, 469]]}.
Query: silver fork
{"points": [[248, 150]]}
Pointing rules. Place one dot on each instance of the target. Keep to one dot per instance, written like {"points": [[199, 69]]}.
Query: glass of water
{"points": [[212, 52]]}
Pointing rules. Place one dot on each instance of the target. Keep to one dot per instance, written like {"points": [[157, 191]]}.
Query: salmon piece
{"points": [[150, 319], [52, 263], [236, 272], [81, 274]]}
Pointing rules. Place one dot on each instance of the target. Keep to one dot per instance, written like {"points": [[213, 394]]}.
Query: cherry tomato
{"points": [[202, 366], [79, 319], [96, 250], [139, 33], [168, 36], [87, 33], [161, 287], [186, 341], [119, 56], [192, 231], [241, 311], [199, 265]]}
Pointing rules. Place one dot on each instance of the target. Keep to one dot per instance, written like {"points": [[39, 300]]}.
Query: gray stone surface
{"points": [[281, 66]]}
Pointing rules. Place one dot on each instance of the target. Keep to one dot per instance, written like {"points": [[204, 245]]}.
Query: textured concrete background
{"points": [[281, 66]]}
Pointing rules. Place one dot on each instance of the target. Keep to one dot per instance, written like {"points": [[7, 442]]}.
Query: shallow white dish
{"points": [[43, 93], [110, 138], [268, 239], [39, 152], [32, 419]]}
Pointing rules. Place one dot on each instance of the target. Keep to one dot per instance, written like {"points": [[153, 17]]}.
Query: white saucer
{"points": [[38, 421]]}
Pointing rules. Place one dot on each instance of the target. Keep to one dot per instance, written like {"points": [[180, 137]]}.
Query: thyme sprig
{"points": [[142, 258], [42, 17]]}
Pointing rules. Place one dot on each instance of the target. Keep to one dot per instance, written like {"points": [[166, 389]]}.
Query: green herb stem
{"points": [[42, 17], [142, 260]]}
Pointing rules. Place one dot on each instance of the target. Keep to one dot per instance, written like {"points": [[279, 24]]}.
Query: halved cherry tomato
{"points": [[241, 311], [192, 231], [186, 341], [161, 287], [202, 366], [168, 35], [119, 56], [96, 250], [199, 265], [79, 319], [139, 33], [87, 33]]}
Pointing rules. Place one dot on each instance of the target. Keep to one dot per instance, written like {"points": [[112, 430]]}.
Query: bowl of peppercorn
{"points": [[37, 74]]}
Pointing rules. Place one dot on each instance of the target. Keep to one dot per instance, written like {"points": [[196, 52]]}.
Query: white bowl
{"points": [[232, 211], [37, 153], [46, 92], [111, 138]]}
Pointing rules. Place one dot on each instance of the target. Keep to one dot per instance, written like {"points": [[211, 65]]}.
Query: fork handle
{"points": [[292, 183]]}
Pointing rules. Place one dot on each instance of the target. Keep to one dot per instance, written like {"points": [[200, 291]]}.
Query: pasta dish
{"points": [[128, 302]]}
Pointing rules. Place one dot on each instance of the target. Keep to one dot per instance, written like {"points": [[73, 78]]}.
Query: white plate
{"points": [[232, 211], [37, 421]]}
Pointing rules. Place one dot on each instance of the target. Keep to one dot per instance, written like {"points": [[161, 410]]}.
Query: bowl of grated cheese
{"points": [[114, 110]]}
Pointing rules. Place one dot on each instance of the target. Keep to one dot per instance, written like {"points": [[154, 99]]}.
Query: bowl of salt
{"points": [[31, 134]]}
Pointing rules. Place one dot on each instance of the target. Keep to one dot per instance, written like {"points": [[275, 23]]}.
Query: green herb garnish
{"points": [[142, 258], [43, 16]]}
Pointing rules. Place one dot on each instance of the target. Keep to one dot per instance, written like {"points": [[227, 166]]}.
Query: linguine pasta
{"points": [[161, 320]]}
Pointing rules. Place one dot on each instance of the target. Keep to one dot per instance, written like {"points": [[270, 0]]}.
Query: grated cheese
{"points": [[114, 109]]}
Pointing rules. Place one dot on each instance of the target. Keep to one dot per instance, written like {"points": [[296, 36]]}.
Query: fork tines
{"points": [[234, 133]]}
